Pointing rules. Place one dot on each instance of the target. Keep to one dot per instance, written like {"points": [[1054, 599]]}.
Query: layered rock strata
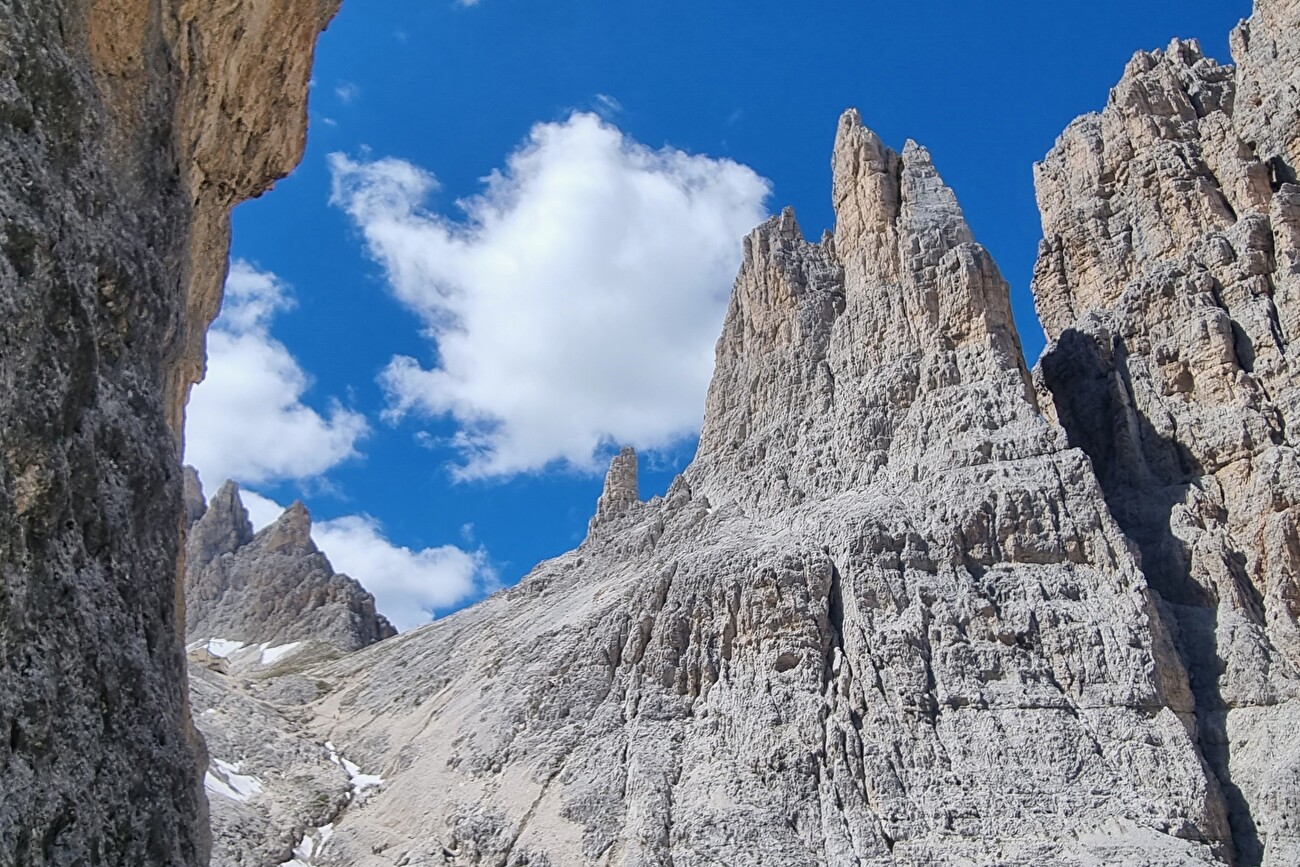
{"points": [[272, 588], [127, 131], [883, 618], [1169, 287]]}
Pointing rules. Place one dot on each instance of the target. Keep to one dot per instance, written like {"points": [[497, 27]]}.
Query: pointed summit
{"points": [[195, 505], [223, 528], [620, 492], [273, 587], [840, 357], [290, 532]]}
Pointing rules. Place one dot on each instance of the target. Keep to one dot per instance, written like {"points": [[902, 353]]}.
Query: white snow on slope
{"points": [[218, 646], [272, 655], [361, 783], [224, 779], [310, 846]]}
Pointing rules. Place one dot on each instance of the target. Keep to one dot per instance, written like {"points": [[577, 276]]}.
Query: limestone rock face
{"points": [[127, 131], [192, 495], [272, 588], [883, 618], [620, 492], [1169, 286]]}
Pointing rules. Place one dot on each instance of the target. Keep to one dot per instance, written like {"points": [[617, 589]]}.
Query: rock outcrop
{"points": [[127, 131], [1169, 287], [620, 493], [271, 588], [885, 616]]}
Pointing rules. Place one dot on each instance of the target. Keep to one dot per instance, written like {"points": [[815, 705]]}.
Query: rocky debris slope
{"points": [[273, 587], [274, 792], [883, 618], [1169, 286], [127, 131]]}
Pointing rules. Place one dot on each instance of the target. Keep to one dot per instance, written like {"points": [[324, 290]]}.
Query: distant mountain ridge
{"points": [[270, 587]]}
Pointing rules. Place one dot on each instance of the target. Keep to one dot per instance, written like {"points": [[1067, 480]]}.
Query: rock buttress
{"points": [[1168, 283]]}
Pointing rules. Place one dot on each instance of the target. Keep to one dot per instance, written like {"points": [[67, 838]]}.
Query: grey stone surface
{"points": [[274, 587], [127, 131], [1169, 286], [620, 492], [884, 617]]}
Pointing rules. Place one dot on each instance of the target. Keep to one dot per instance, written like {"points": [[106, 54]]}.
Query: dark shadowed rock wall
{"points": [[128, 129]]}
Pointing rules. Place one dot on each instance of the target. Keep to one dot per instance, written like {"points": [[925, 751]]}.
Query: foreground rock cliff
{"points": [[127, 131], [911, 604]]}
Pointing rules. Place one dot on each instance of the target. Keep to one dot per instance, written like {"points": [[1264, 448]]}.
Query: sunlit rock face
{"points": [[1169, 286], [127, 131], [885, 616]]}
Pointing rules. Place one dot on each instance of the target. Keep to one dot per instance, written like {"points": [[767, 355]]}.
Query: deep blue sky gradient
{"points": [[987, 87]]}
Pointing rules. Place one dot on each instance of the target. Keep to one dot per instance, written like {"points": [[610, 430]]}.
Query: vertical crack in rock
{"points": [[1168, 284]]}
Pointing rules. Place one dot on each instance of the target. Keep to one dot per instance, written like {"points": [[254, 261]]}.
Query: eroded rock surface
{"points": [[883, 618], [127, 131], [1169, 286], [272, 588]]}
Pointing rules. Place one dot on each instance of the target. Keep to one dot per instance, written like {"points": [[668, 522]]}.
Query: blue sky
{"points": [[372, 254]]}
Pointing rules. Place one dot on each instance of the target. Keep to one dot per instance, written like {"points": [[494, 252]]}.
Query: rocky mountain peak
{"points": [[291, 532], [192, 495], [274, 586], [826, 346], [222, 528], [620, 493]]}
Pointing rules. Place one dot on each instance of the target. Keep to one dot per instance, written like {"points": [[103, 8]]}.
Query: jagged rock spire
{"points": [[223, 528], [620, 493], [840, 357], [272, 587], [291, 531], [192, 495]]}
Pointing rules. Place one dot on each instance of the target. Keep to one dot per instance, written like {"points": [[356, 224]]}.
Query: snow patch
{"points": [[362, 784], [309, 847], [224, 779], [217, 646], [272, 655]]}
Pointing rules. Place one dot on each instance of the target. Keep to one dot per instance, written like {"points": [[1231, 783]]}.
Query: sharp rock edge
{"points": [[273, 587]]}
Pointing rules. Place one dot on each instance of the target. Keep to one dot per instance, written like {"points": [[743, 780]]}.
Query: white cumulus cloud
{"points": [[409, 585], [576, 303], [247, 420]]}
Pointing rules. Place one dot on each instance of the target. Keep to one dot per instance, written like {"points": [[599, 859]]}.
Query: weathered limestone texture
{"points": [[620, 492], [128, 128], [271, 588], [270, 786], [1169, 286], [883, 618]]}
